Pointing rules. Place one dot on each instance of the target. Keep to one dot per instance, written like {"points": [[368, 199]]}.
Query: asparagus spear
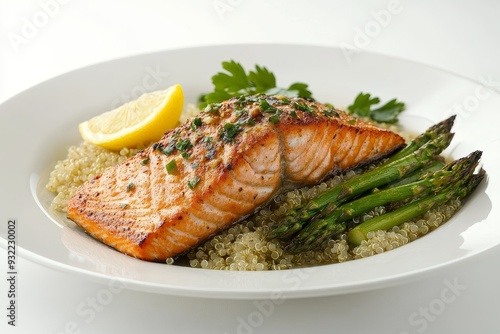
{"points": [[313, 235], [344, 191], [431, 133], [433, 166], [413, 209]]}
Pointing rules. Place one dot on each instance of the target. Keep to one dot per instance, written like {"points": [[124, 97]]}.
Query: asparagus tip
{"points": [[445, 125]]}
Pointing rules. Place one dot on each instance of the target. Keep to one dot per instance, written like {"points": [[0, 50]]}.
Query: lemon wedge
{"points": [[137, 122]]}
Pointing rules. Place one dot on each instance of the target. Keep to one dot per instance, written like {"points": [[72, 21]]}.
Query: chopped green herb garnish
{"points": [[213, 108], [245, 121], [171, 167], [264, 106], [185, 155], [240, 112], [240, 103], [330, 112], [302, 107], [283, 100], [169, 149], [208, 141], [274, 119], [293, 114], [195, 165], [388, 113], [236, 82], [145, 162], [183, 145], [194, 182], [130, 186], [250, 121], [195, 123], [230, 131]]}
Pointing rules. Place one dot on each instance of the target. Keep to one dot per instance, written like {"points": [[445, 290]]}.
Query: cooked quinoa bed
{"points": [[82, 163], [243, 246]]}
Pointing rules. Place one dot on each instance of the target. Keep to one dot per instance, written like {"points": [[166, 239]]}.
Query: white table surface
{"points": [[458, 36]]}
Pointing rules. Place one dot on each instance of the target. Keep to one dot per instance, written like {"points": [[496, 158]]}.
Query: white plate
{"points": [[38, 125]]}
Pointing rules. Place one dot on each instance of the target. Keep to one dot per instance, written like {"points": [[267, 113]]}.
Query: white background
{"points": [[45, 38]]}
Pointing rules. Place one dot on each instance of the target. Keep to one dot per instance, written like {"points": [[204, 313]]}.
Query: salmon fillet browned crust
{"points": [[218, 168]]}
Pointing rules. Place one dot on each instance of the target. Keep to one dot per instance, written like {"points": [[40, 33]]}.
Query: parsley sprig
{"points": [[237, 82], [363, 106]]}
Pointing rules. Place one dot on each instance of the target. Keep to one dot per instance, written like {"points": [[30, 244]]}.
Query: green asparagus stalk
{"points": [[330, 199], [315, 233], [433, 166], [430, 134], [413, 209]]}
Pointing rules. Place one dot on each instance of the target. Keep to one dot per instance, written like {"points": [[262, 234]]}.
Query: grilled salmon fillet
{"points": [[218, 168]]}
